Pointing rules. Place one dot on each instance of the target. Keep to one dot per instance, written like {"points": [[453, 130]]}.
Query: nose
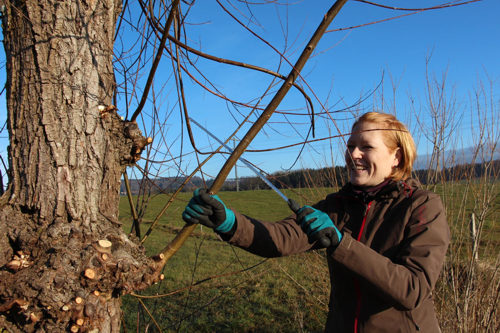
{"points": [[352, 153], [355, 153]]}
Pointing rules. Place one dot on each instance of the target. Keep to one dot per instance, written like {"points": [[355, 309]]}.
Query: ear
{"points": [[397, 158]]}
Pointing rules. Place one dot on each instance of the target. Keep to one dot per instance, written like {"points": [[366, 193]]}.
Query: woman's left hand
{"points": [[318, 226]]}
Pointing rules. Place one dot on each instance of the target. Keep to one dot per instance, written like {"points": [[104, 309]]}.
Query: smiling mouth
{"points": [[358, 167]]}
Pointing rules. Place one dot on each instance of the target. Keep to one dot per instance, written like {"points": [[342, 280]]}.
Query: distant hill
{"points": [[456, 157], [325, 177]]}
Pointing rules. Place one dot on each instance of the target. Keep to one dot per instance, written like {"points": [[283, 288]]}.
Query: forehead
{"points": [[367, 131]]}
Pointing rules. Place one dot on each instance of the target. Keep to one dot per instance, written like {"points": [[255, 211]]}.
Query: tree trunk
{"points": [[68, 149]]}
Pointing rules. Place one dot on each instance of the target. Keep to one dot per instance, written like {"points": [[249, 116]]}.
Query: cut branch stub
{"points": [[14, 265], [34, 317], [181, 237], [104, 243], [90, 274], [104, 246]]}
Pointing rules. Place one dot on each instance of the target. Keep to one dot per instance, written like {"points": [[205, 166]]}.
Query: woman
{"points": [[385, 237]]}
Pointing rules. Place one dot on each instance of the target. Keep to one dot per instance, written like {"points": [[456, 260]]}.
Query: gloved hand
{"points": [[318, 226], [210, 211]]}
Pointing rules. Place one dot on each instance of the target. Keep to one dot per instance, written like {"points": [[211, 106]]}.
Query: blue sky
{"points": [[463, 42]]}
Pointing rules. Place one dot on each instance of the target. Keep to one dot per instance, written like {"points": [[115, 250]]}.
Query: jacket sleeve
{"points": [[269, 239], [409, 278]]}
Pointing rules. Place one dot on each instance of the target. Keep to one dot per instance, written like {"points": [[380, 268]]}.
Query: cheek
{"points": [[347, 156]]}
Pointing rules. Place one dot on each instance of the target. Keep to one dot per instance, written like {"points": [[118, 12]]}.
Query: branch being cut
{"points": [[179, 240]]}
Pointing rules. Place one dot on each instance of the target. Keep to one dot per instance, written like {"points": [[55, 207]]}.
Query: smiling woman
{"points": [[387, 237], [380, 147]]}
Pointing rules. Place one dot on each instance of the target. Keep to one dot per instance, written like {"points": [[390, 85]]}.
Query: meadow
{"points": [[210, 286]]}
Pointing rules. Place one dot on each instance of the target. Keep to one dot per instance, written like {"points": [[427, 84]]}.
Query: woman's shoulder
{"points": [[417, 190], [423, 199]]}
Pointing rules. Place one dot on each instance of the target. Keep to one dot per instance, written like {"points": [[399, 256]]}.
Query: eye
{"points": [[367, 147]]}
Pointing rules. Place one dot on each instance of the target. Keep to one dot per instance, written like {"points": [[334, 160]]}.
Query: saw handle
{"points": [[294, 205]]}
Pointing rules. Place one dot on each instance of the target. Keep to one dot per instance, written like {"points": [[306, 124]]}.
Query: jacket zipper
{"points": [[357, 288]]}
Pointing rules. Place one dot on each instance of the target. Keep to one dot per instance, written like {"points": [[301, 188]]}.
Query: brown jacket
{"points": [[386, 266]]}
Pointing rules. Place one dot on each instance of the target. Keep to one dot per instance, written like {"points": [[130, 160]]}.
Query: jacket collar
{"points": [[386, 190]]}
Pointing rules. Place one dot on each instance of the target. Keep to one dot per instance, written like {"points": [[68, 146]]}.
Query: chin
{"points": [[358, 182], [364, 182]]}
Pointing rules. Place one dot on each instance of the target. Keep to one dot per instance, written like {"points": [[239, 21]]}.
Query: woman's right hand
{"points": [[210, 211]]}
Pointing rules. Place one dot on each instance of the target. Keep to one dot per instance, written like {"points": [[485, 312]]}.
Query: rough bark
{"points": [[68, 149]]}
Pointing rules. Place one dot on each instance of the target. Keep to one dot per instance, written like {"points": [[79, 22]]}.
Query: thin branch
{"points": [[135, 224], [150, 314], [414, 11], [197, 283], [156, 61], [444, 5]]}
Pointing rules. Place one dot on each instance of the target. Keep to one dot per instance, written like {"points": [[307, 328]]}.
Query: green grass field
{"points": [[210, 286], [238, 291]]}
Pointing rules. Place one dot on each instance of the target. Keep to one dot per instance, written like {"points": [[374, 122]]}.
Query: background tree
{"points": [[68, 260]]}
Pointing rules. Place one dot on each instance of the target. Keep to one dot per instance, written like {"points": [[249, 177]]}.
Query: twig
{"points": [[150, 315], [135, 224], [156, 60]]}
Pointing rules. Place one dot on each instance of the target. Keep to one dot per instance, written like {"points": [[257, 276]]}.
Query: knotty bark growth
{"points": [[64, 259]]}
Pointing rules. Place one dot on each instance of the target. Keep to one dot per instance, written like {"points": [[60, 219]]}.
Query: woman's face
{"points": [[368, 160]]}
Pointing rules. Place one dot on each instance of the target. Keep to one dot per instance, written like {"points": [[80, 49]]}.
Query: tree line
{"points": [[303, 178]]}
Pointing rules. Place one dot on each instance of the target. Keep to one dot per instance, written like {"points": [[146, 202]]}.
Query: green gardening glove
{"points": [[210, 211], [318, 226]]}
